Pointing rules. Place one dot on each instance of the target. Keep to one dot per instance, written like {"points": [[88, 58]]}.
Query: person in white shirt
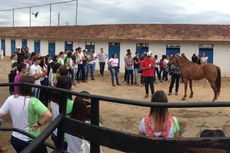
{"points": [[81, 69], [36, 72], [28, 114], [204, 59]]}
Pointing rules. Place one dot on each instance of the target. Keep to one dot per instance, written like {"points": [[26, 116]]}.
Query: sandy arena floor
{"points": [[126, 118]]}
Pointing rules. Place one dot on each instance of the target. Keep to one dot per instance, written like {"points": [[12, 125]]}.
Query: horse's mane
{"points": [[183, 55]]}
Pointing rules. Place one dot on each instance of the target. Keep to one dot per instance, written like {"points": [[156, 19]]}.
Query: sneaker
{"points": [[119, 84], [146, 96], [92, 79], [84, 81], [113, 85], [169, 93]]}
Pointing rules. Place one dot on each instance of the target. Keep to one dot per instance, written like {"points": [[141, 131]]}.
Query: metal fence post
{"points": [[60, 131], [94, 147]]}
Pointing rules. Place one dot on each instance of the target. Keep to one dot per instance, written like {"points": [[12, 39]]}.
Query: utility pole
{"points": [[76, 12], [13, 16], [30, 15], [58, 19], [50, 13]]}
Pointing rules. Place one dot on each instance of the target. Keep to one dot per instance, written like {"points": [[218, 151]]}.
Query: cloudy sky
{"points": [[118, 11]]}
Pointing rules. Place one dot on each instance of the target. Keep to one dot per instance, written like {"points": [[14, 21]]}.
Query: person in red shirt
{"points": [[148, 66]]}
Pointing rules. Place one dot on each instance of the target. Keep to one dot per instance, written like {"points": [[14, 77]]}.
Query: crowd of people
{"points": [[29, 110]]}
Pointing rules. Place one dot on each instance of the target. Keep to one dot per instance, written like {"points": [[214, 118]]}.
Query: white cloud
{"points": [[120, 11]]}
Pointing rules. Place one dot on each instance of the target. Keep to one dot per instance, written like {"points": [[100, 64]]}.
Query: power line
{"points": [[41, 5], [18, 8]]}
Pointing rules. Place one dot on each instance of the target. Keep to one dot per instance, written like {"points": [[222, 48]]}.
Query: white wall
{"points": [[18, 42], [59, 46], [157, 48], [30, 44], [221, 56], [189, 49], [44, 47], [8, 46]]}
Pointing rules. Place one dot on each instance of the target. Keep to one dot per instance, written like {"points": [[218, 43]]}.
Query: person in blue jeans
{"points": [[129, 68], [91, 63], [175, 77], [113, 65]]}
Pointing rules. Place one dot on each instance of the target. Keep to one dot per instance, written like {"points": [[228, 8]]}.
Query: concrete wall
{"points": [[8, 46], [30, 44], [220, 55]]}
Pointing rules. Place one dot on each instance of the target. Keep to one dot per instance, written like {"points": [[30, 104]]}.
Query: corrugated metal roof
{"points": [[122, 32]]}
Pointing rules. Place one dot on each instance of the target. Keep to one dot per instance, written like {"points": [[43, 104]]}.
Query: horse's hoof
{"points": [[183, 99], [190, 96]]}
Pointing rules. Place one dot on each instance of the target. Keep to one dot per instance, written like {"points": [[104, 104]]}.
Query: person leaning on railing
{"points": [[81, 111], [64, 82], [27, 113], [159, 122]]}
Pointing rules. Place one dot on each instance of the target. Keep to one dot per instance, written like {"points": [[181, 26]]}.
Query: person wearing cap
{"points": [[148, 66]]}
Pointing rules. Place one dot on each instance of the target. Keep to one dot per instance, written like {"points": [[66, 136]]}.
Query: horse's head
{"points": [[172, 60]]}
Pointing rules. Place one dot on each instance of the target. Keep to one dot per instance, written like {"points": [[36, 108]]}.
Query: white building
{"points": [[214, 40]]}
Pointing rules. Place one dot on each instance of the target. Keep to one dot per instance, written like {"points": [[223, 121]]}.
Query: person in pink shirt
{"points": [[21, 71], [114, 66]]}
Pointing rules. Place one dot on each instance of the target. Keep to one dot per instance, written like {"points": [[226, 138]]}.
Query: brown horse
{"points": [[192, 71]]}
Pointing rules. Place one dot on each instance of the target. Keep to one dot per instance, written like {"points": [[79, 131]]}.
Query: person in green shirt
{"points": [[28, 114]]}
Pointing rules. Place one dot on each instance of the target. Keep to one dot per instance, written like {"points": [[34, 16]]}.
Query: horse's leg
{"points": [[214, 88], [191, 91], [185, 88]]}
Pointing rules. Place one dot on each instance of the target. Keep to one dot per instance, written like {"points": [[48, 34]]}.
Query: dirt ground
{"points": [[127, 118]]}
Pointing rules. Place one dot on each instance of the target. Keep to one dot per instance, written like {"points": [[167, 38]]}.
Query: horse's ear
{"points": [[178, 55]]}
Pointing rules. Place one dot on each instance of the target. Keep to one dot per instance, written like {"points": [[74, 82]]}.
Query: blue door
{"points": [[3, 46], [114, 48], [69, 45], [24, 43], [208, 52], [51, 49], [141, 50], [172, 51], [13, 47], [88, 47], [37, 45]]}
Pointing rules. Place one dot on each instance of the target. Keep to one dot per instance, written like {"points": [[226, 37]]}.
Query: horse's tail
{"points": [[218, 80]]}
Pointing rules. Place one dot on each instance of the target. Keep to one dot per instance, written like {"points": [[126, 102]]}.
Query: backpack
{"points": [[11, 77]]}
